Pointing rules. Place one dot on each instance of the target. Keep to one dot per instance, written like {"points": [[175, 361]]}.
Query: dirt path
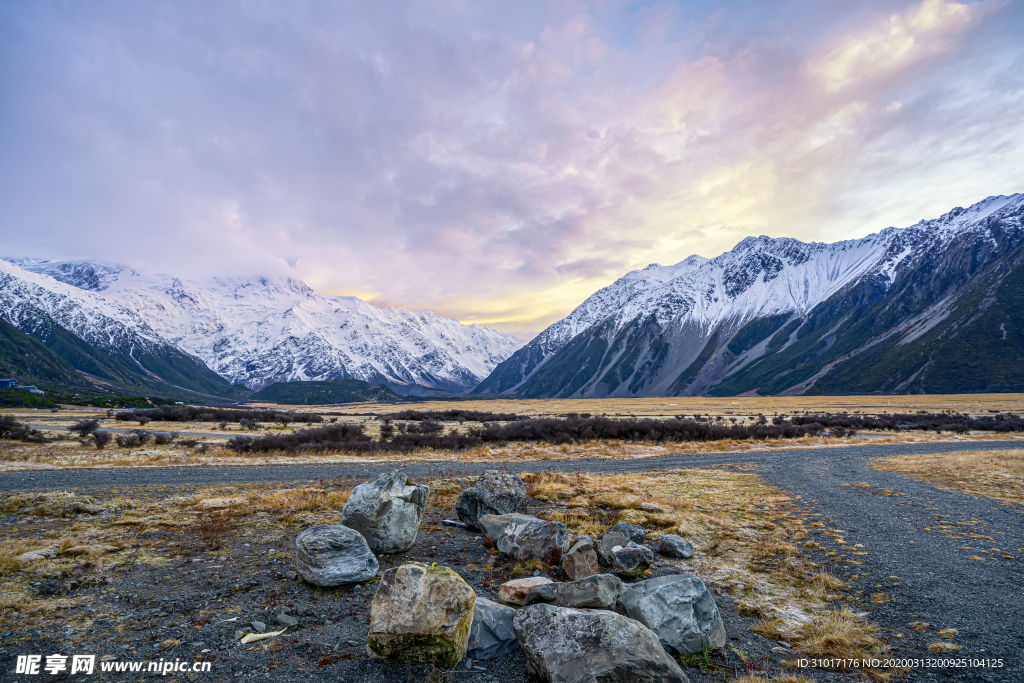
{"points": [[912, 532]]}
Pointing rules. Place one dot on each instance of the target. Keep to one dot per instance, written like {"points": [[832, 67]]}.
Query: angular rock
{"points": [[333, 555], [494, 493], [41, 554], [600, 591], [545, 592], [534, 539], [679, 609], [421, 615], [631, 560], [513, 592], [387, 511], [632, 531], [565, 645], [493, 525], [607, 542], [581, 560], [675, 546], [491, 635], [91, 549]]}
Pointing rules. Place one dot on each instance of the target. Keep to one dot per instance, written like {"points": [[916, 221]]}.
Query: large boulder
{"points": [[534, 539], [421, 615], [565, 645], [600, 591], [675, 546], [334, 555], [679, 609], [491, 635], [581, 560], [607, 542], [515, 591], [494, 525], [631, 560], [632, 531], [494, 493], [387, 511]]}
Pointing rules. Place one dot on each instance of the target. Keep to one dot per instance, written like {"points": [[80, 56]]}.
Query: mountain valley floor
{"points": [[904, 548]]}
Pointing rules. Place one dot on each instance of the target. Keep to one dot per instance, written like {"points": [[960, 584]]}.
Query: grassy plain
{"points": [[992, 474], [687, 405]]}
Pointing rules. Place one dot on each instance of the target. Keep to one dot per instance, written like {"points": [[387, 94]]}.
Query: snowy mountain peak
{"points": [[262, 330]]}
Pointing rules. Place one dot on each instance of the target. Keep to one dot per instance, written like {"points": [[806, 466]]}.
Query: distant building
{"points": [[8, 384], [31, 388]]}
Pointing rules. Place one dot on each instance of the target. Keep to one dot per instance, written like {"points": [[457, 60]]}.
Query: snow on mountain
{"points": [[264, 330], [760, 277]]}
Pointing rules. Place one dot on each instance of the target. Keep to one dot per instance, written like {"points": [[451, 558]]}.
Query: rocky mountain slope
{"points": [[264, 330], [936, 307]]}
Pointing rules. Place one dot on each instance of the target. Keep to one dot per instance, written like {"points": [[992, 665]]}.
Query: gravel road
{"points": [[926, 575]]}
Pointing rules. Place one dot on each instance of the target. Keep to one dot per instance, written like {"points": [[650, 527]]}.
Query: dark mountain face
{"points": [[936, 308]]}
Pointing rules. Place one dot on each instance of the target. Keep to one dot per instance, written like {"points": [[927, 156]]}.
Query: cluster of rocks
{"points": [[595, 626]]}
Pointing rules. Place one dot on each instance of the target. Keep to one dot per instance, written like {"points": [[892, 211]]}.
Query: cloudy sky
{"points": [[497, 162]]}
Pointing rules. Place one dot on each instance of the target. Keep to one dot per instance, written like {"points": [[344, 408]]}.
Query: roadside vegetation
{"points": [[995, 474]]}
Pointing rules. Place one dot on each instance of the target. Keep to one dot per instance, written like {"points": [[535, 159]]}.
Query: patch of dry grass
{"points": [[748, 539], [991, 474]]}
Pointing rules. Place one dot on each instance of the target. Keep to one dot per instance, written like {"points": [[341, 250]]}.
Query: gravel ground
{"points": [[923, 573]]}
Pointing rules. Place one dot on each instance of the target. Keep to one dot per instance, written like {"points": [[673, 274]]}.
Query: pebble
{"points": [[291, 576], [259, 626]]}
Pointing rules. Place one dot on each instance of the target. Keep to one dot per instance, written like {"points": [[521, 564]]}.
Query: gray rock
{"points": [[632, 531], [493, 525], [421, 615], [291, 576], [679, 609], [607, 542], [581, 560], [631, 560], [494, 493], [534, 539], [286, 620], [259, 626], [387, 511], [515, 591], [675, 546], [491, 635], [600, 591], [333, 555], [565, 645], [241, 632], [545, 592]]}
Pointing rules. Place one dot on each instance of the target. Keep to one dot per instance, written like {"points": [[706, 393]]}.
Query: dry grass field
{"points": [[993, 474], [669, 406]]}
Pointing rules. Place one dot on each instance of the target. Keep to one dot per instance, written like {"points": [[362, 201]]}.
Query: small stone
{"points": [[491, 635], [607, 542], [651, 507], [493, 493], [240, 632], [513, 592], [581, 560], [291, 576], [36, 555], [259, 626], [545, 592], [632, 531], [536, 572], [600, 591], [218, 503], [286, 620], [675, 546], [631, 560], [533, 539]]}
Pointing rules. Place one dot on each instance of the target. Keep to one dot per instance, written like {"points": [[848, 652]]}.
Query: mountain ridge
{"points": [[667, 330]]}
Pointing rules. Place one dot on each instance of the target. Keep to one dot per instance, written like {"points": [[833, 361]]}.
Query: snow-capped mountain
{"points": [[265, 330], [703, 325], [109, 342]]}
